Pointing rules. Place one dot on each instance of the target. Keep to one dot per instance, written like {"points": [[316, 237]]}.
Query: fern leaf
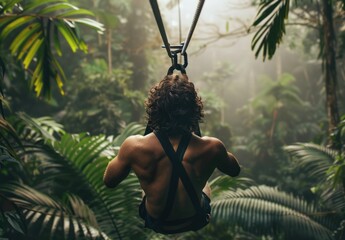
{"points": [[265, 210]]}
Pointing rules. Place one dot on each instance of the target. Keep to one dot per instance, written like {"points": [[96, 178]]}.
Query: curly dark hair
{"points": [[174, 106]]}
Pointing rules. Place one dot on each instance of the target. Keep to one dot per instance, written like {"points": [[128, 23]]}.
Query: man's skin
{"points": [[146, 157]]}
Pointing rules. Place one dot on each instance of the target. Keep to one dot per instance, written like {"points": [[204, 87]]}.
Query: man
{"points": [[177, 197]]}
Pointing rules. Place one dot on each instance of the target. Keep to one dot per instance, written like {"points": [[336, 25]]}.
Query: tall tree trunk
{"points": [[137, 32], [329, 61], [136, 47]]}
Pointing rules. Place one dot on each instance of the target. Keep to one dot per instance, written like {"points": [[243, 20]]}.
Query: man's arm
{"points": [[118, 168], [227, 162]]}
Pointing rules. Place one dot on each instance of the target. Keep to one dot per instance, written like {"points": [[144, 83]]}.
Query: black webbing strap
{"points": [[176, 158], [174, 176], [157, 14]]}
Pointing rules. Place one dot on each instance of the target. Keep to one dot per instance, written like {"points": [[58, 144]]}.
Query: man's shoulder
{"points": [[212, 140], [133, 139], [138, 147], [137, 141], [214, 144]]}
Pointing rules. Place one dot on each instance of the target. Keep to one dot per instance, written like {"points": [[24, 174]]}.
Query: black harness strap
{"points": [[157, 14], [179, 171], [174, 176]]}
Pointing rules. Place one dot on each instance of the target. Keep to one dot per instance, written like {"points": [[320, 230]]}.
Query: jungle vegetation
{"points": [[74, 76]]}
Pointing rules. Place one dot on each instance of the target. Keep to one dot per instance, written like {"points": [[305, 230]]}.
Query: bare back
{"points": [[153, 169], [146, 157]]}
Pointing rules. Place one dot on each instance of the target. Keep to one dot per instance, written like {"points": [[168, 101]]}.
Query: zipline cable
{"points": [[179, 21], [182, 48], [192, 28]]}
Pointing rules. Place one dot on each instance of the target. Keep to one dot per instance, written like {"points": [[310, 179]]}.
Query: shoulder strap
{"points": [[178, 171], [164, 140]]}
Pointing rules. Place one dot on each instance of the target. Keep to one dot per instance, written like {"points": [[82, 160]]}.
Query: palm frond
{"points": [[270, 19], [266, 210], [46, 217], [84, 159], [319, 162], [75, 164], [10, 145], [223, 183], [11, 218], [8, 139], [32, 32], [36, 129], [314, 159], [5, 156]]}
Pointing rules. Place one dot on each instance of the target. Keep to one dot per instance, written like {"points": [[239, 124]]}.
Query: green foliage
{"points": [[275, 109], [325, 165], [53, 205], [101, 103], [337, 171], [65, 195], [265, 210], [271, 21], [32, 32], [274, 117], [223, 183], [218, 88], [313, 158], [8, 137], [47, 218], [2, 74]]}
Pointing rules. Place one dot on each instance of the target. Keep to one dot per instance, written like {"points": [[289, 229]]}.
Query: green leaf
{"points": [[8, 137], [227, 26], [266, 10], [38, 74], [32, 52], [14, 221], [59, 83], [57, 44], [35, 5], [75, 12], [56, 7], [68, 35], [5, 156], [60, 72], [266, 210], [2, 70], [15, 25], [90, 23], [23, 36], [28, 44], [271, 16], [44, 213]]}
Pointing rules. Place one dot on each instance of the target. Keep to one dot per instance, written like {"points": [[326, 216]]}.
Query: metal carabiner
{"points": [[175, 65]]}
